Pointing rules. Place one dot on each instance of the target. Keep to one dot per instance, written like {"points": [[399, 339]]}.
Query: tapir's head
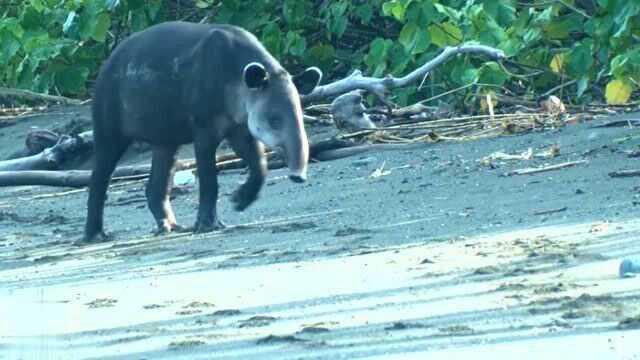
{"points": [[275, 113]]}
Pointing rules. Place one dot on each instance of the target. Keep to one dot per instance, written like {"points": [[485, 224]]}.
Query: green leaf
{"points": [[561, 28], [202, 4], [491, 7], [532, 35], [153, 8], [464, 74], [9, 46], [272, 38], [447, 11], [377, 57], [320, 55], [294, 11], [492, 73], [136, 4], [38, 5], [445, 34], [26, 71], [13, 26], [102, 26], [295, 44], [89, 19], [399, 59], [544, 17], [48, 50], [364, 12], [407, 36], [422, 41], [582, 85], [339, 26], [422, 13], [580, 59], [72, 79], [139, 20], [32, 19], [506, 15], [402, 96], [394, 8], [35, 40], [42, 82]]}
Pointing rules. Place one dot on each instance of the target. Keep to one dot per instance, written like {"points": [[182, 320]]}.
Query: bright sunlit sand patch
{"points": [[446, 293]]}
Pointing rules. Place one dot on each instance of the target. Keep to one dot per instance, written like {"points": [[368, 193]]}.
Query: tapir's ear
{"points": [[308, 80], [255, 75]]}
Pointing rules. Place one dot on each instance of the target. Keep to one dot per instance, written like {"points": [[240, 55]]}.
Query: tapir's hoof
{"points": [[166, 228], [242, 198], [95, 239], [200, 227]]}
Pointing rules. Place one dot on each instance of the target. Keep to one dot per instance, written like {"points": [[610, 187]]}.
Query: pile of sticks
{"points": [[462, 128]]}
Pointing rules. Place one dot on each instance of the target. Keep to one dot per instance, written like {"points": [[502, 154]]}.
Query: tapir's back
{"points": [[171, 51]]}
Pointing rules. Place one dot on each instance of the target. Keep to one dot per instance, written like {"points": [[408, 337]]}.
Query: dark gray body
{"points": [[178, 83]]}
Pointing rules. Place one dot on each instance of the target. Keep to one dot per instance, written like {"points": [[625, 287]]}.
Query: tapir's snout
{"points": [[296, 151]]}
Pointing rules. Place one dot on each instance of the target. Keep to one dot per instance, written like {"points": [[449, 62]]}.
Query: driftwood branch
{"points": [[531, 171], [80, 178], [39, 156], [77, 178], [33, 96], [379, 86], [625, 173]]}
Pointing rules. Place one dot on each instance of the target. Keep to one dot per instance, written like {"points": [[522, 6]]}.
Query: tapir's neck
{"points": [[237, 105]]}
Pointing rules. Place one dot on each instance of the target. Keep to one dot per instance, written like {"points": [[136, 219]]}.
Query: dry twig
{"points": [[531, 171]]}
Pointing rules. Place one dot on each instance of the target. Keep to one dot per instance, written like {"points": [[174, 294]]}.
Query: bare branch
{"points": [[379, 86], [33, 96]]}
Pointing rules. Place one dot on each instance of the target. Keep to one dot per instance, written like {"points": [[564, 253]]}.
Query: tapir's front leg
{"points": [[205, 149], [252, 152]]}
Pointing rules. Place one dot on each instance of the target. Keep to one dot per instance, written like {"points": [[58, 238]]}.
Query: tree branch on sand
{"points": [[27, 95]]}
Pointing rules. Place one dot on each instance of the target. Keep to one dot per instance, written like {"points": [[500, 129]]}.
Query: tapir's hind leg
{"points": [[252, 152], [158, 188], [107, 154]]}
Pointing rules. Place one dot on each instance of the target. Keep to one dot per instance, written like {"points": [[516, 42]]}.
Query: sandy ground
{"points": [[440, 257]]}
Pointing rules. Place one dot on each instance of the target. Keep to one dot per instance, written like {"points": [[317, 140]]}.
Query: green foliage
{"points": [[58, 45]]}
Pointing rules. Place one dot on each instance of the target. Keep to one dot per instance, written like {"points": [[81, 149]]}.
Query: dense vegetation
{"points": [[56, 46]]}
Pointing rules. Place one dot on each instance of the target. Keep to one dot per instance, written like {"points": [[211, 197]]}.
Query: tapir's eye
{"points": [[275, 122]]}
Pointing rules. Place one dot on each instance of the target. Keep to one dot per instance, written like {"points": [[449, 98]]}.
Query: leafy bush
{"points": [[52, 45], [56, 46]]}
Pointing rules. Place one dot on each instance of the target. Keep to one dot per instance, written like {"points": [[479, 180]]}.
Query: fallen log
{"points": [[625, 173], [50, 158], [76, 178], [26, 95], [80, 178]]}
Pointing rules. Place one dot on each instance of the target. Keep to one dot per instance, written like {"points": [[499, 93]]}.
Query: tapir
{"points": [[180, 83]]}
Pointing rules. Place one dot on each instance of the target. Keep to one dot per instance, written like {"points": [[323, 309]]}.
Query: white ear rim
{"points": [[250, 65], [316, 69], [253, 63]]}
